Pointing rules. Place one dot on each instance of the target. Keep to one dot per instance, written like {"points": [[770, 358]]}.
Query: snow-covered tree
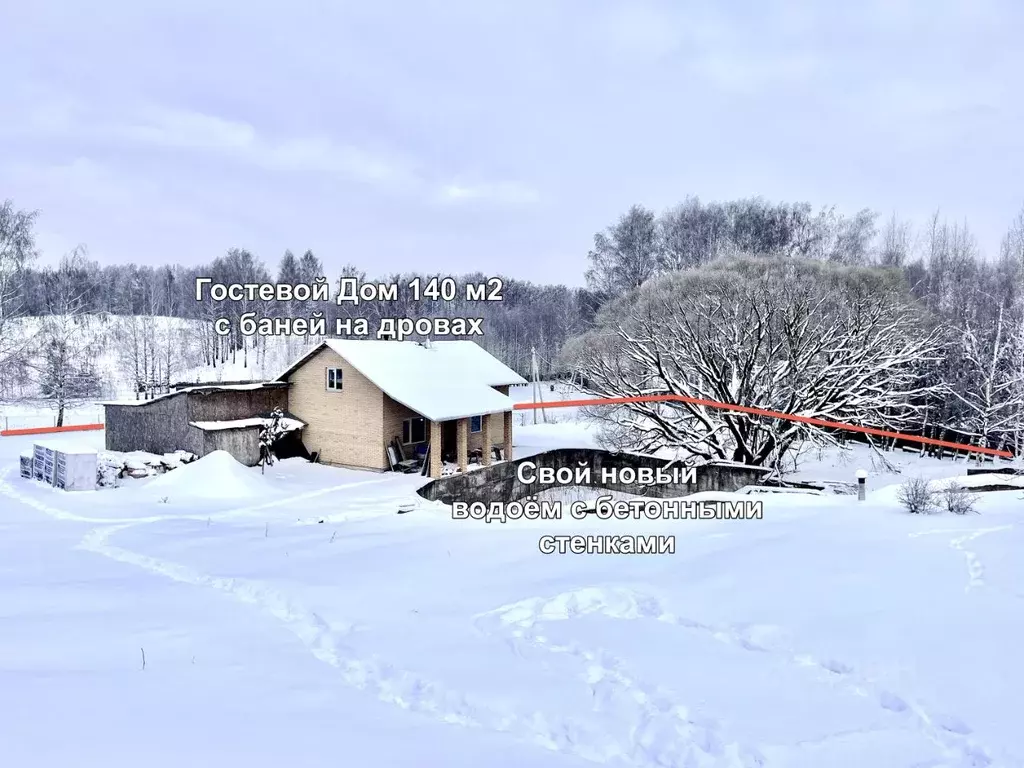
{"points": [[67, 347], [809, 338], [988, 384], [17, 250]]}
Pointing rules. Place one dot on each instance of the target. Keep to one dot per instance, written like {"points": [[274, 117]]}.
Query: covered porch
{"points": [[460, 442], [440, 447]]}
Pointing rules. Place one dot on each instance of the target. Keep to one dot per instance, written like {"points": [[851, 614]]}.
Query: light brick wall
{"points": [[394, 414], [497, 424], [346, 427]]}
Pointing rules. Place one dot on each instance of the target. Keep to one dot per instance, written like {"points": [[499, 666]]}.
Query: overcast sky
{"points": [[492, 135]]}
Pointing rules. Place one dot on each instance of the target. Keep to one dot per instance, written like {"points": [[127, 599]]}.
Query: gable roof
{"points": [[440, 381]]}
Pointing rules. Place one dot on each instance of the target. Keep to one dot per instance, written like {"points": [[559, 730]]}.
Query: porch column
{"points": [[462, 443], [486, 437], [508, 436], [435, 450]]}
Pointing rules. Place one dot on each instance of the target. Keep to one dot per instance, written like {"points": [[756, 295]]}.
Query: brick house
{"points": [[448, 400]]}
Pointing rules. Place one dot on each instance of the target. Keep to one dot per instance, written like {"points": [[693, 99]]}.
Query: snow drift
{"points": [[217, 475]]}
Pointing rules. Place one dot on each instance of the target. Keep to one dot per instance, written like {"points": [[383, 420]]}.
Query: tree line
{"points": [[937, 283], [782, 307]]}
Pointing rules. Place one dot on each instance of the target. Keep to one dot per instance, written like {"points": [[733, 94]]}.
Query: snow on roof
{"points": [[286, 424], [440, 380], [213, 387]]}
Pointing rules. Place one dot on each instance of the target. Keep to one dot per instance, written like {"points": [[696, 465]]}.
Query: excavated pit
{"points": [[501, 482]]}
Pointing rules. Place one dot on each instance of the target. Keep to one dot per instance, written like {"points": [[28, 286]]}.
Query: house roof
{"points": [[201, 389], [441, 380]]}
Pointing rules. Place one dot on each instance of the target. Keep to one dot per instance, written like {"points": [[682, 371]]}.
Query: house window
{"points": [[414, 431], [334, 379], [475, 423]]}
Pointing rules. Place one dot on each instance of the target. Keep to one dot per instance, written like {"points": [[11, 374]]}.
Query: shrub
{"points": [[959, 500], [917, 496]]}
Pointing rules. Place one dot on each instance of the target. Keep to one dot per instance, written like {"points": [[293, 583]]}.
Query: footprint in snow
{"points": [[836, 667], [892, 702], [953, 725]]}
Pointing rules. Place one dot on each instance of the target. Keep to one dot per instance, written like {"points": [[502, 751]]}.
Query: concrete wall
{"points": [[347, 426], [500, 482]]}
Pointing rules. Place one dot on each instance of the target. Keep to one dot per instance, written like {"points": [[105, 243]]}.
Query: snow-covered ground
{"points": [[207, 617], [42, 413]]}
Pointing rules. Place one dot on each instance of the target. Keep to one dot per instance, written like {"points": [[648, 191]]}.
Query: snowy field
{"points": [[207, 617], [41, 413]]}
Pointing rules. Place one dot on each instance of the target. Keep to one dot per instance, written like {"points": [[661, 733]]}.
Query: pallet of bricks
{"points": [[65, 465]]}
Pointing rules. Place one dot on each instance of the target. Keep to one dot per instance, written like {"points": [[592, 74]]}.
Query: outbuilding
{"points": [[199, 419]]}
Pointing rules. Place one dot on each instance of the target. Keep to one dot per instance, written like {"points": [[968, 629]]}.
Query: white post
{"points": [[538, 397], [862, 477]]}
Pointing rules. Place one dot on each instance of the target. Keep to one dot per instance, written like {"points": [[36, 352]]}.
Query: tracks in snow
{"points": [[703, 743], [975, 567], [386, 682], [663, 731]]}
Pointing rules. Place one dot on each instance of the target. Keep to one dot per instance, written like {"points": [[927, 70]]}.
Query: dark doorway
{"points": [[449, 441]]}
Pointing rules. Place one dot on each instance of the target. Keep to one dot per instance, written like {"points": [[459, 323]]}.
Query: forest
{"points": [[778, 305]]}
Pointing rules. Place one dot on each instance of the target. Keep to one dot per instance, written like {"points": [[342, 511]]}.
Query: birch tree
{"points": [[990, 381]]}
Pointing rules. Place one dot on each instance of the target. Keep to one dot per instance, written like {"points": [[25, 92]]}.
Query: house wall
{"points": [[346, 427], [476, 439], [394, 414]]}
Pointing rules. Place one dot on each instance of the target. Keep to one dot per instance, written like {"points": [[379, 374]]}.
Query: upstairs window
{"points": [[334, 379], [475, 423]]}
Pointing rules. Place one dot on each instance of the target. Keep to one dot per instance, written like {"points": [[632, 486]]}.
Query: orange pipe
{"points": [[49, 430]]}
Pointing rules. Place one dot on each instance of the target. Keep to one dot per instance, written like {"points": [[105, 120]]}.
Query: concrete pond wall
{"points": [[500, 482]]}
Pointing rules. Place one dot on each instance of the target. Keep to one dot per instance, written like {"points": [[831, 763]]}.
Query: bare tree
{"points": [[66, 347], [990, 391], [819, 340], [17, 250], [627, 254], [895, 247]]}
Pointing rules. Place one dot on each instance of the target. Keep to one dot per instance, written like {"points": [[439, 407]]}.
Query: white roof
{"points": [[285, 423], [209, 386], [442, 380]]}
